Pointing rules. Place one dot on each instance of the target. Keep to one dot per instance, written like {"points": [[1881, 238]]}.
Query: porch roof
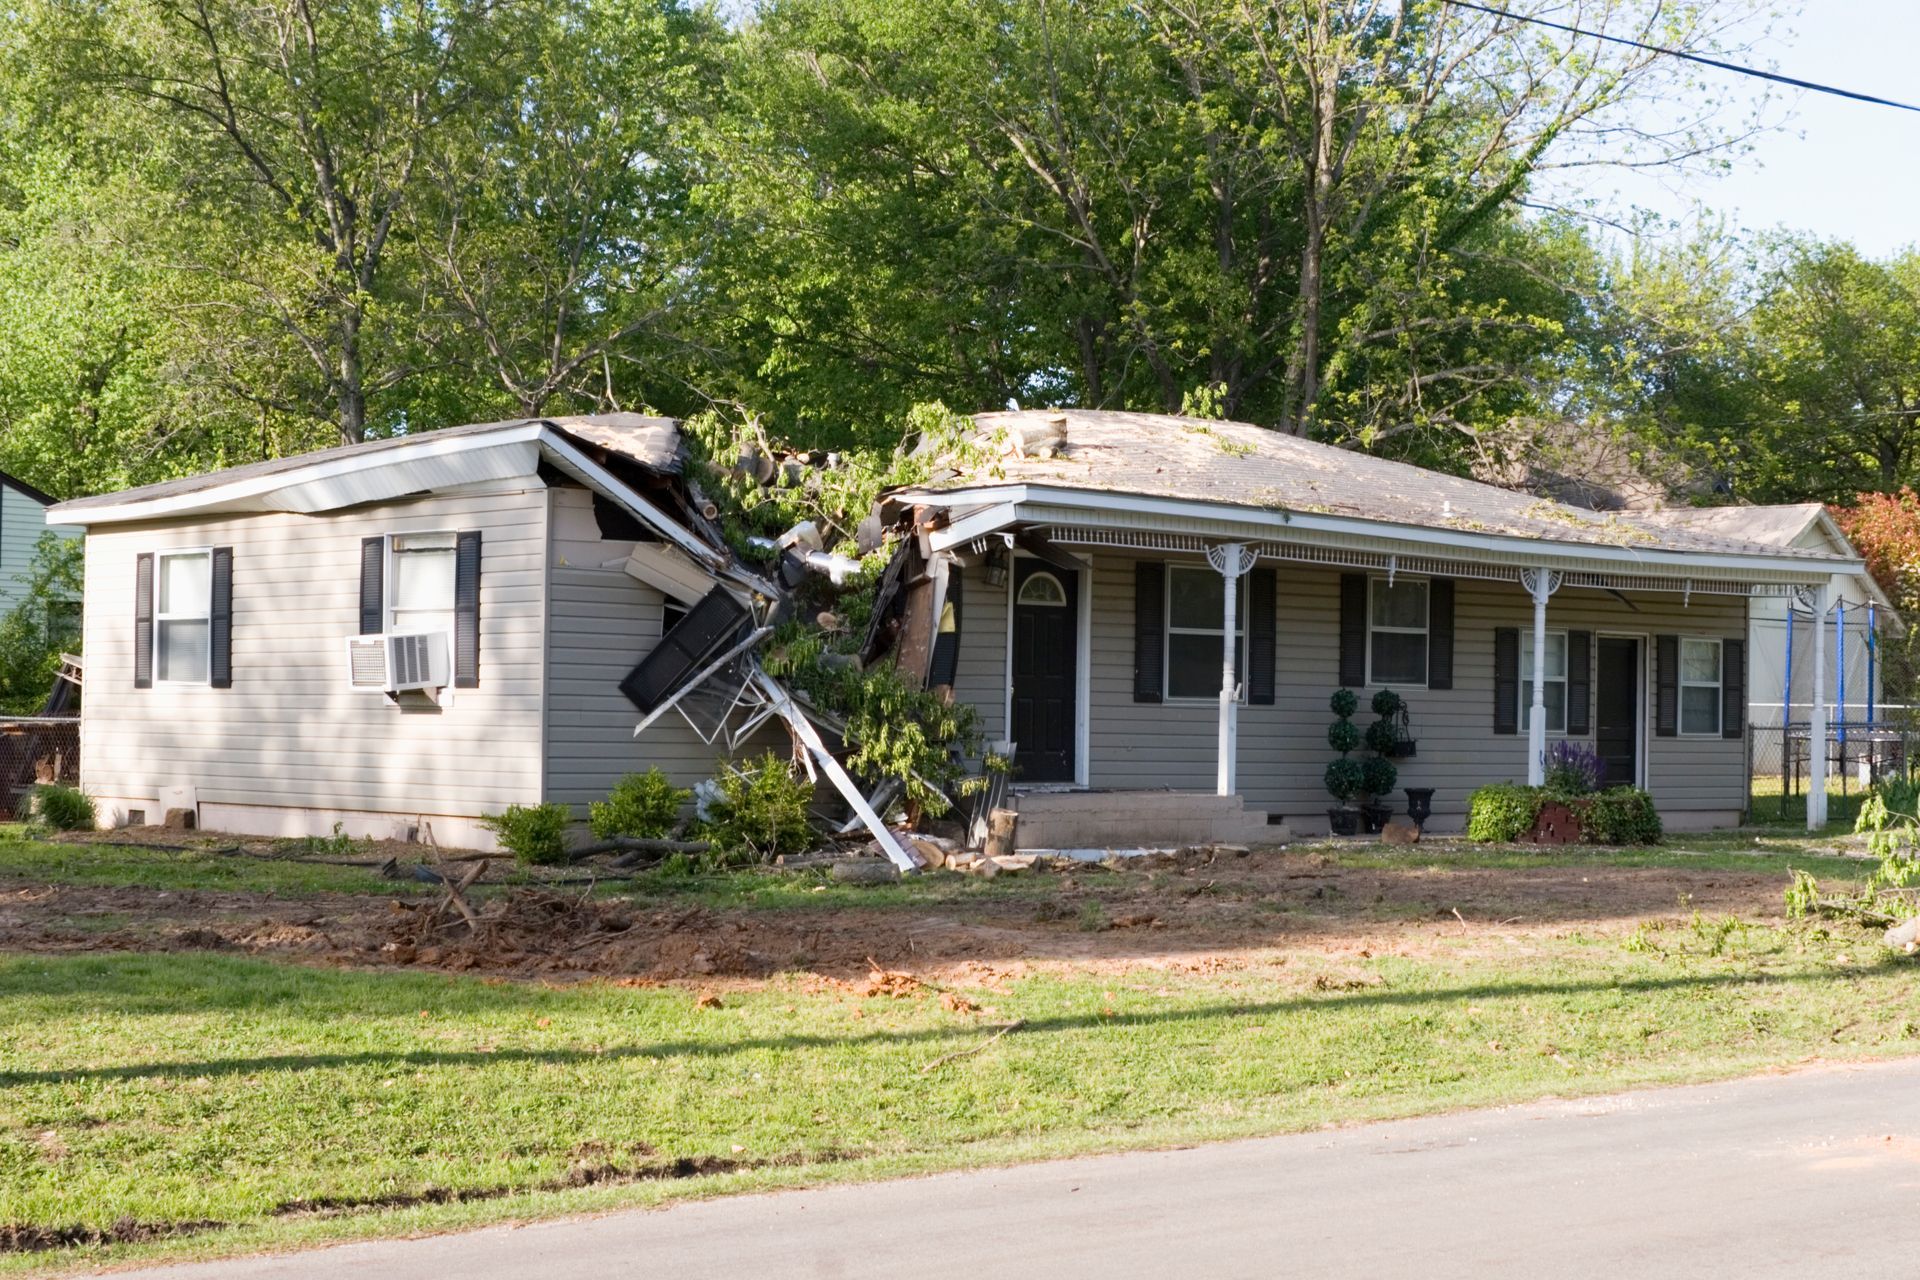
{"points": [[1152, 481]]}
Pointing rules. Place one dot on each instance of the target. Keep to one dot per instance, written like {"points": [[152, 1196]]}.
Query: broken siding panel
{"points": [[1283, 747], [290, 732], [601, 622]]}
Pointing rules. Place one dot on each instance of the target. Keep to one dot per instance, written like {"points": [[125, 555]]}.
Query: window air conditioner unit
{"points": [[396, 663]]}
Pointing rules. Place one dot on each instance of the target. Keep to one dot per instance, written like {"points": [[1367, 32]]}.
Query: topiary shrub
{"points": [[642, 805], [64, 808], [535, 834], [1619, 815], [762, 812], [1343, 736], [1502, 812], [1377, 777], [1343, 703], [1344, 779]]}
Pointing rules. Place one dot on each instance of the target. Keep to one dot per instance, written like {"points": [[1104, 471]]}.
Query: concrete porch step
{"points": [[1130, 819]]}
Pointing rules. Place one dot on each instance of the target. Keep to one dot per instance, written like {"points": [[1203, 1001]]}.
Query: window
{"points": [[1043, 589], [182, 618], [1196, 609], [1700, 686], [420, 597], [1397, 633], [1556, 681]]}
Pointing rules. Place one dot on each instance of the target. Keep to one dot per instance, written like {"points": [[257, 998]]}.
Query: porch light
{"points": [[996, 566]]}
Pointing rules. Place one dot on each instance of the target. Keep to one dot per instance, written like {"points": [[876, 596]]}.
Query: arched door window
{"points": [[1043, 589]]}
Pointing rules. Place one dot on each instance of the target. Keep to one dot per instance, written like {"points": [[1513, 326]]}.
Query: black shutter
{"points": [[1353, 630], [1733, 688], [946, 644], [373, 586], [220, 621], [1261, 637], [466, 611], [1579, 683], [1506, 680], [1440, 633], [1149, 629], [689, 646], [1666, 686], [143, 621]]}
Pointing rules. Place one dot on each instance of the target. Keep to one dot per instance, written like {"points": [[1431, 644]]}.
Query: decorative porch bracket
{"points": [[1540, 584], [1231, 560]]}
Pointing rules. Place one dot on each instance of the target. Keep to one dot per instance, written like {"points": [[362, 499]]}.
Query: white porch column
{"points": [[1231, 560], [1817, 715], [1541, 584]]}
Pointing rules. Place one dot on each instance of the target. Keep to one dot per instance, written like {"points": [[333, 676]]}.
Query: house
{"points": [[23, 520], [1854, 680], [237, 630], [1103, 559], [404, 636]]}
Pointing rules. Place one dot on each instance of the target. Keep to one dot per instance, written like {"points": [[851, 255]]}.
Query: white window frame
{"points": [[391, 610], [1424, 631], [160, 559], [1526, 682], [1168, 631], [1719, 686]]}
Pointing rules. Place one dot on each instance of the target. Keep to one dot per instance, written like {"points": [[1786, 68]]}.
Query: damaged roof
{"points": [[1237, 463], [652, 442]]}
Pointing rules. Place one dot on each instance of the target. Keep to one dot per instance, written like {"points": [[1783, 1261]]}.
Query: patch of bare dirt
{"points": [[1204, 912]]}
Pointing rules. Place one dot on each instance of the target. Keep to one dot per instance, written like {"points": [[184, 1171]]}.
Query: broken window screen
{"points": [[687, 647], [1196, 615]]}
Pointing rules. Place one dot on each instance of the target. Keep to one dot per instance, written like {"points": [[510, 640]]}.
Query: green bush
{"points": [[535, 834], [1344, 779], [1387, 704], [1382, 736], [1343, 703], [762, 812], [1502, 812], [641, 805], [64, 808], [1618, 815], [1343, 735], [1378, 776]]}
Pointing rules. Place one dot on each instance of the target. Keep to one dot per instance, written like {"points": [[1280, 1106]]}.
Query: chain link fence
{"points": [[1858, 753], [33, 750]]}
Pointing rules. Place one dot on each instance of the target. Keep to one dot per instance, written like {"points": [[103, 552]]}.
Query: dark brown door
{"points": [[1046, 613], [1616, 719]]}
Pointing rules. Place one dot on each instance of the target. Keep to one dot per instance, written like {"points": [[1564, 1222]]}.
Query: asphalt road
{"points": [[1813, 1174]]}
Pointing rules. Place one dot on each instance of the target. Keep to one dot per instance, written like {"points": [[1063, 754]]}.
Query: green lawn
{"points": [[191, 1088], [242, 1103]]}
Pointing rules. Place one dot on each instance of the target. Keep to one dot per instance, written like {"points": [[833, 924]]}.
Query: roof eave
{"points": [[1010, 498]]}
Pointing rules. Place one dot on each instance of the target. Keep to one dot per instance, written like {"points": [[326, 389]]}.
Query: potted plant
{"points": [[1343, 778], [1377, 779], [1391, 734]]}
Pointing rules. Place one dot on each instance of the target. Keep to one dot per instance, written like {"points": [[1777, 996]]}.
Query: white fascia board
{"points": [[669, 571], [973, 525], [1701, 564], [565, 456], [252, 493]]}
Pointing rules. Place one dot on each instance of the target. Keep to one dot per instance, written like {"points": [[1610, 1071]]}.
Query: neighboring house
{"points": [[419, 632], [23, 519], [1804, 526]]}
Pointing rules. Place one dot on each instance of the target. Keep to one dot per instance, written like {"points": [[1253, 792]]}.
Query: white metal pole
{"points": [[1228, 563], [1537, 719], [1817, 718]]}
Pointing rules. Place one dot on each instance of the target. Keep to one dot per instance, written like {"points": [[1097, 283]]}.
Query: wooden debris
{"points": [[958, 1054], [865, 871], [1001, 824]]}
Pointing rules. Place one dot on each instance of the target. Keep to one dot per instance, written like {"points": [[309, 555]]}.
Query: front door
{"points": [[1616, 720], [1046, 613]]}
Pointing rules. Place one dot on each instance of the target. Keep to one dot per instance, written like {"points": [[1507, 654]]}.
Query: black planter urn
{"points": [[1344, 822], [1420, 805]]}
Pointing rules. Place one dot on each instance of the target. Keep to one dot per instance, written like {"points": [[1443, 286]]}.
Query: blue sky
{"points": [[1838, 168]]}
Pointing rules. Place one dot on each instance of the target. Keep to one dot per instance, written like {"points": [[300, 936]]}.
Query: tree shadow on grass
{"points": [[178, 999]]}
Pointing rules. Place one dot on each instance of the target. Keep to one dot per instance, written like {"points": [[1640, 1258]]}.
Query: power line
{"points": [[1734, 67]]}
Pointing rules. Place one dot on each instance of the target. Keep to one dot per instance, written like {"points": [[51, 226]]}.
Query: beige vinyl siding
{"points": [[601, 623], [290, 733], [980, 669], [1283, 747]]}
